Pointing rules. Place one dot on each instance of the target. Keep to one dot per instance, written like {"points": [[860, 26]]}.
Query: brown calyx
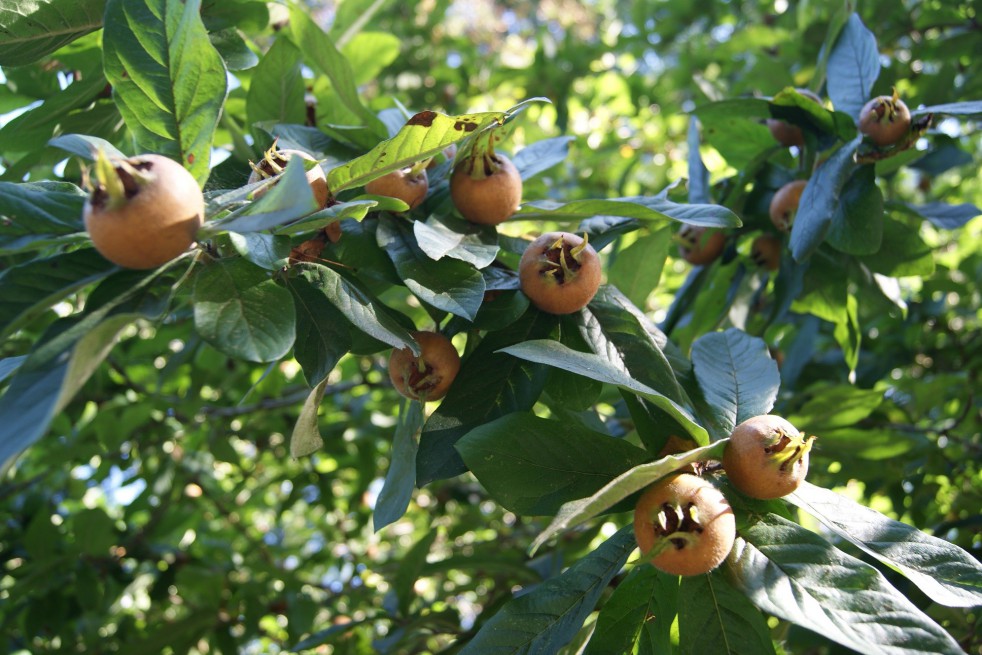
{"points": [[561, 261], [674, 521]]}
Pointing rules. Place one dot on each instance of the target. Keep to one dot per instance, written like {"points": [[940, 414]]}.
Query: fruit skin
{"points": [[766, 457], [439, 361], [784, 204], [402, 184], [787, 134], [700, 245], [885, 120], [158, 219], [765, 251], [697, 541], [273, 163], [559, 272], [486, 190]]}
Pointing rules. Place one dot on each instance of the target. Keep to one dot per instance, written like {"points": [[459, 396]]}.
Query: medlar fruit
{"points": [[428, 376], [275, 160], [559, 272], [765, 252], [784, 204], [684, 525], [885, 120], [487, 189], [766, 457], [407, 185], [700, 245], [143, 211]]}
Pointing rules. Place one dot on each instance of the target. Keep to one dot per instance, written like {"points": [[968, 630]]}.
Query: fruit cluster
{"points": [[684, 525]]}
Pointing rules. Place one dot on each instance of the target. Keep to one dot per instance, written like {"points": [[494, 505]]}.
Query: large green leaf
{"points": [[639, 612], [32, 287], [39, 213], [737, 376], [857, 225], [947, 216], [168, 80], [323, 332], [400, 479], [820, 200], [943, 571], [490, 384], [579, 511], [448, 236], [546, 618], [796, 575], [716, 618], [637, 269], [904, 252], [447, 284], [646, 208], [591, 366], [241, 311], [541, 155], [31, 30], [276, 91], [532, 465], [853, 66], [735, 128]]}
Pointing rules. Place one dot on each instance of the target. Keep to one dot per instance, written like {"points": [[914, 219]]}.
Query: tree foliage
{"points": [[210, 457]]}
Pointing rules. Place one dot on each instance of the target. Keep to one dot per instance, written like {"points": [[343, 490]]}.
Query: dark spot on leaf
{"points": [[463, 125], [191, 158], [424, 118]]}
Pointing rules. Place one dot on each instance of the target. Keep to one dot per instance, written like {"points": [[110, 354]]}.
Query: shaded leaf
{"points": [[35, 29], [857, 225], [640, 611], [306, 437], [716, 618], [541, 156], [637, 269], [532, 465], [946, 216], [276, 90], [820, 200], [449, 236], [648, 208], [400, 479], [85, 146], [853, 66], [323, 335], [548, 617]]}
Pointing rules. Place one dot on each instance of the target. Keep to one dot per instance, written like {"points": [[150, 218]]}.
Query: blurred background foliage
{"points": [[164, 514]]}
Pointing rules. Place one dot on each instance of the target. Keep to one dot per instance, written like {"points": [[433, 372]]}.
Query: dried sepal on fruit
{"points": [[766, 457], [784, 204], [885, 120], [429, 375], [485, 186], [700, 245], [273, 163], [560, 272], [143, 211], [684, 525]]}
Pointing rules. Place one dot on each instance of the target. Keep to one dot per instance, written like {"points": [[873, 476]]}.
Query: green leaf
{"points": [[354, 209], [579, 511], [735, 128], [969, 109], [448, 236], [234, 50], [400, 479], [38, 212], [411, 568], [94, 532], [9, 366], [85, 146], [268, 251], [368, 53], [541, 156], [737, 376], [425, 134], [716, 618], [591, 366], [276, 91], [945, 216], [828, 126], [853, 66], [645, 208], [490, 384], [840, 406], [32, 30], [637, 269], [288, 199], [820, 200], [168, 80], [532, 465], [548, 617], [323, 333], [447, 284], [946, 573], [796, 575], [903, 252], [320, 52], [31, 288], [698, 173], [364, 312], [848, 333], [306, 437], [857, 226], [51, 375], [241, 311], [641, 610]]}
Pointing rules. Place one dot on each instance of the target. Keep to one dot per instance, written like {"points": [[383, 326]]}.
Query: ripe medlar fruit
{"points": [[275, 160], [407, 184], [885, 120], [486, 189], [684, 526], [559, 272], [766, 457], [784, 204], [143, 211], [765, 251], [429, 376], [784, 132], [700, 245]]}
